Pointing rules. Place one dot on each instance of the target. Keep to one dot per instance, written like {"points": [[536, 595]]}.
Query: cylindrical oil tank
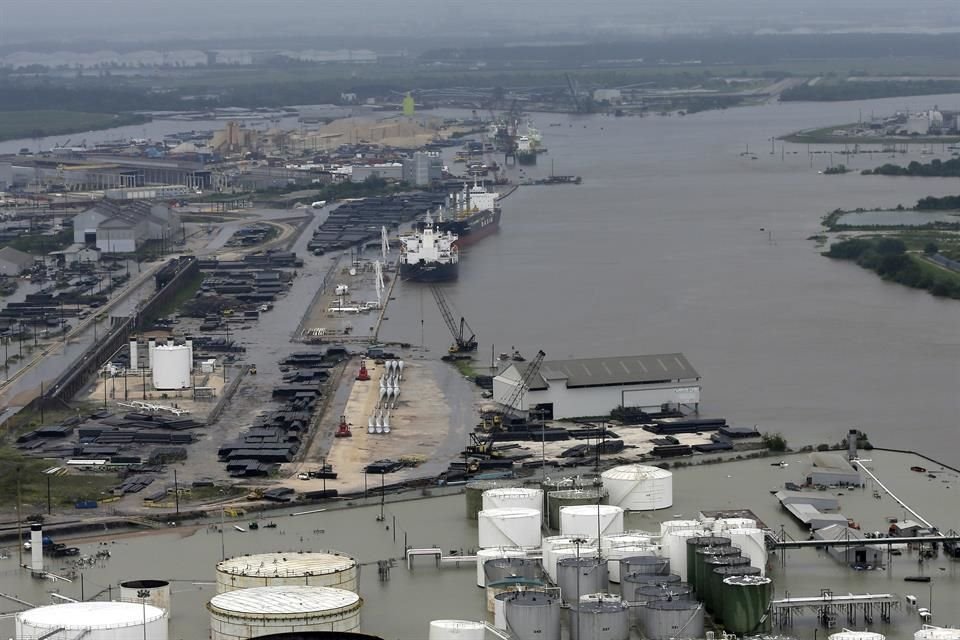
{"points": [[672, 619], [501, 568], [720, 526], [155, 592], [630, 582], [709, 558], [474, 494], [673, 545], [319, 635], [533, 615], [591, 520], [615, 554], [649, 564], [547, 546], [579, 576], [637, 487], [489, 554], [509, 528], [94, 621], [678, 525], [625, 539], [752, 543], [457, 630], [650, 592], [714, 598], [846, 634], [745, 602], [566, 553], [248, 613], [695, 543], [513, 498], [171, 367], [601, 619], [930, 632], [304, 568], [511, 585], [500, 609], [556, 500]]}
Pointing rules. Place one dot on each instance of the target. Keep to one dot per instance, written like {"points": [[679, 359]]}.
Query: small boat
{"points": [[253, 526], [918, 469], [240, 529], [270, 525], [916, 579]]}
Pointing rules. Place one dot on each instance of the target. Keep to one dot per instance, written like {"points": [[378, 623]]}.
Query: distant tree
{"points": [[931, 249]]}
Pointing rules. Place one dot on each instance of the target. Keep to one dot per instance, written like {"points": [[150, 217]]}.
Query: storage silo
{"points": [[533, 615], [501, 568], [615, 554], [745, 603], [457, 630], [647, 563], [672, 619], [569, 553], [511, 584], [474, 494], [651, 592], [693, 544], [94, 621], [305, 568], [678, 525], [320, 635], [509, 528], [154, 592], [708, 559], [590, 520], [171, 367], [752, 543], [673, 545], [637, 487], [930, 632], [600, 619], [489, 554], [248, 613], [714, 599], [556, 500], [579, 576], [513, 498]]}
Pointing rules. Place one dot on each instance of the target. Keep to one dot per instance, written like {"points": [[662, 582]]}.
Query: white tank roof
{"points": [[271, 565], [91, 615], [635, 472], [284, 600]]}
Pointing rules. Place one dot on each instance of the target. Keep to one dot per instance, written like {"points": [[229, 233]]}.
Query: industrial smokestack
{"points": [[151, 347], [36, 550], [852, 444], [134, 362]]}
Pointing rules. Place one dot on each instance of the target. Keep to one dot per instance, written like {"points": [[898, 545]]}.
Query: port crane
{"points": [[532, 370], [461, 342]]}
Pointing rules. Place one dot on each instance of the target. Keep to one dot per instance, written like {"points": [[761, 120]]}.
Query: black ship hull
{"points": [[473, 227], [429, 271]]}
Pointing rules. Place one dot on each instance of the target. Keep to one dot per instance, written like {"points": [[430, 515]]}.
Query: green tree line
{"points": [[888, 258], [934, 169]]}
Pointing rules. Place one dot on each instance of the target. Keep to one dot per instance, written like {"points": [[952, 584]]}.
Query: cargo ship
{"points": [[429, 255], [471, 215]]}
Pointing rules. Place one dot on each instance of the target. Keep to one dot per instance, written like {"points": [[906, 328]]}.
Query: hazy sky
{"points": [[137, 21]]}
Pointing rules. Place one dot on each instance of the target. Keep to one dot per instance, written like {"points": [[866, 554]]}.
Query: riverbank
{"points": [[50, 122], [826, 135]]}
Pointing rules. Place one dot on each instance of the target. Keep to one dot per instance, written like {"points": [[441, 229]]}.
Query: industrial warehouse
{"points": [[595, 386]]}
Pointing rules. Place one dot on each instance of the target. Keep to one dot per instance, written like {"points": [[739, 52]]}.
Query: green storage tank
{"points": [[474, 493], [556, 500], [707, 594], [696, 543], [701, 572], [717, 592], [745, 603]]}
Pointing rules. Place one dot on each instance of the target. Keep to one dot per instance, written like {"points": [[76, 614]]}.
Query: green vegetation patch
{"points": [[65, 490], [888, 258], [934, 169], [49, 122], [42, 244]]}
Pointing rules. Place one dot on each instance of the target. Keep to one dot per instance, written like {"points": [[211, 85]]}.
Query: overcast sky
{"points": [[137, 21]]}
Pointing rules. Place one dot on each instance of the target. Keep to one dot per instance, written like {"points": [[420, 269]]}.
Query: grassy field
{"points": [[37, 124], [825, 136], [64, 490]]}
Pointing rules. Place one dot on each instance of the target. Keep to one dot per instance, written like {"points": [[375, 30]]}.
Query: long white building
{"points": [[595, 386]]}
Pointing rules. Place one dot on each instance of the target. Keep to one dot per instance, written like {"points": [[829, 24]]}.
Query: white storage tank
{"points": [[93, 621], [314, 568], [591, 519], [679, 525], [155, 592], [752, 544], [846, 634], [456, 630], [674, 547], [491, 554], [509, 528], [513, 498], [929, 632], [250, 613], [567, 553], [171, 367], [637, 487], [616, 554]]}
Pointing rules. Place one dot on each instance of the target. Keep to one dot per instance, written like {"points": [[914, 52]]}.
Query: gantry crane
{"points": [[461, 342]]}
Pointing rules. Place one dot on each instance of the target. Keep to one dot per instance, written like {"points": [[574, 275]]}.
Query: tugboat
{"points": [[430, 255]]}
